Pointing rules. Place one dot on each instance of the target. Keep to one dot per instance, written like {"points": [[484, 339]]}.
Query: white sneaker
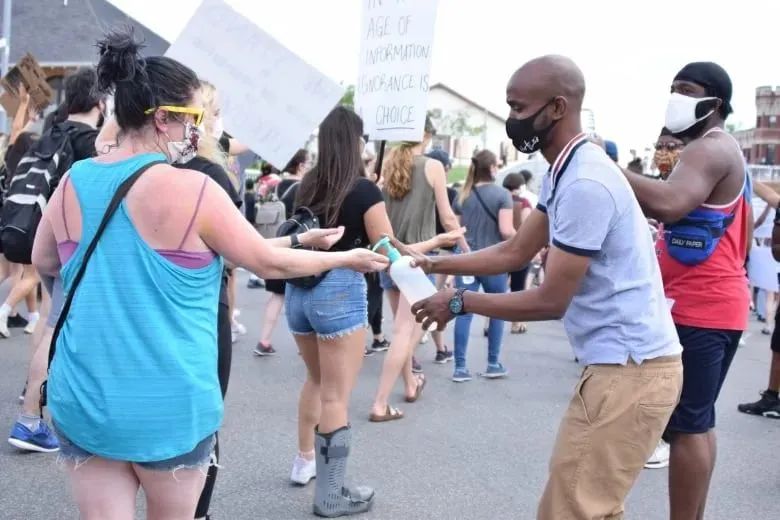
{"points": [[426, 337], [4, 332], [303, 470], [238, 328], [30, 328], [660, 457]]}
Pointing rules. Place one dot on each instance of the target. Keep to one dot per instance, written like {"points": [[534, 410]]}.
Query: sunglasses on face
{"points": [[669, 147], [197, 113]]}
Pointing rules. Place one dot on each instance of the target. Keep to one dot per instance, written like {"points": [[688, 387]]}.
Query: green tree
{"points": [[348, 99], [455, 124]]}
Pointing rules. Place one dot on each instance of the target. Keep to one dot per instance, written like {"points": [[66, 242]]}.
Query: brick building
{"points": [[761, 145]]}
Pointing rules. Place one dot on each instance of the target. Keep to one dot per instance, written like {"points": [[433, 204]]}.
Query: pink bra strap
{"points": [[195, 214]]}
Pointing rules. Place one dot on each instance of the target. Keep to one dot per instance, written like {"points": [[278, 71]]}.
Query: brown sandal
{"points": [[391, 414], [421, 380]]}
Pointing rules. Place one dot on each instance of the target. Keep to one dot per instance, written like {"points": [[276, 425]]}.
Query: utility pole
{"points": [[5, 42]]}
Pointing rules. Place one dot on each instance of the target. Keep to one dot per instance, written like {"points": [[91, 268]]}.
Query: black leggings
{"points": [[374, 303], [517, 280], [224, 355]]}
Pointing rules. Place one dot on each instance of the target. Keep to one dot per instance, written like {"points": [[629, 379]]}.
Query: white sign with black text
{"points": [[271, 99], [391, 94]]}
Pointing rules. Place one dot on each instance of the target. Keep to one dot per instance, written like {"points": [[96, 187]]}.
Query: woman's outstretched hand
{"points": [[322, 239], [418, 259], [365, 261]]}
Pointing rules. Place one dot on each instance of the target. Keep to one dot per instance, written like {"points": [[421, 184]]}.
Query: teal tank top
{"points": [[134, 377]]}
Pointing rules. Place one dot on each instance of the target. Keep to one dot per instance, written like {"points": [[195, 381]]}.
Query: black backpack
{"points": [[29, 190], [303, 219]]}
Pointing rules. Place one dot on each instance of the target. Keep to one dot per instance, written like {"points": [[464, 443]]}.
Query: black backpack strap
{"points": [[484, 206], [290, 189], [120, 194]]}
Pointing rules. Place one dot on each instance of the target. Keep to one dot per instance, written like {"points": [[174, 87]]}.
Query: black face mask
{"points": [[524, 136]]}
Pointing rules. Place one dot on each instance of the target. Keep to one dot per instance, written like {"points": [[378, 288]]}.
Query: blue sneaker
{"points": [[495, 371], [42, 439], [461, 375]]}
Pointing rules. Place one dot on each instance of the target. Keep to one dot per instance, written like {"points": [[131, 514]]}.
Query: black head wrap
{"points": [[713, 78]]}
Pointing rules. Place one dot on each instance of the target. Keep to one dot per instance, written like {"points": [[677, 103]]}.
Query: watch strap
{"points": [[459, 295]]}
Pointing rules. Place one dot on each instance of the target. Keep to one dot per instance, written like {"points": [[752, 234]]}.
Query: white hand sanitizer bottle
{"points": [[411, 281]]}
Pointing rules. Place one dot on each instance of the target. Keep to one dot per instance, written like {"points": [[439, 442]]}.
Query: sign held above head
{"points": [[29, 74], [395, 61], [271, 99]]}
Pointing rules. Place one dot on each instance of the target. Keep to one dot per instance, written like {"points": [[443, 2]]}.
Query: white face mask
{"points": [[681, 112], [219, 128], [181, 152]]}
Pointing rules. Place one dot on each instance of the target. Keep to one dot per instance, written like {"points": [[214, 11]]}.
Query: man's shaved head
{"points": [[546, 77], [545, 101]]}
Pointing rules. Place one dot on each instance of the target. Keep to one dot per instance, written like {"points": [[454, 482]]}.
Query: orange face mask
{"points": [[665, 161]]}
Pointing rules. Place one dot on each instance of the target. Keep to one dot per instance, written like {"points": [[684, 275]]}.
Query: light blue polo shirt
{"points": [[619, 311]]}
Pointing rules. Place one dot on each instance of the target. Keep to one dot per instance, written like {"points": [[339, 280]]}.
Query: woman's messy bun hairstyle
{"points": [[139, 83]]}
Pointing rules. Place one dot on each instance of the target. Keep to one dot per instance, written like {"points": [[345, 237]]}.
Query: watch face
{"points": [[456, 304]]}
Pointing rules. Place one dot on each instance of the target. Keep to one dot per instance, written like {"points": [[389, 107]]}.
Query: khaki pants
{"points": [[612, 426]]}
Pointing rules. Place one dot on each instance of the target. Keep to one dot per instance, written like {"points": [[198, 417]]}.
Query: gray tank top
{"points": [[414, 217]]}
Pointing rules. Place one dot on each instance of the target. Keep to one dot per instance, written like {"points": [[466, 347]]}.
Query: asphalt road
{"points": [[464, 451]]}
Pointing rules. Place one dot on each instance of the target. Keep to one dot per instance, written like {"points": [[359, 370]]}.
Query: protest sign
{"points": [[29, 74], [271, 99], [391, 94]]}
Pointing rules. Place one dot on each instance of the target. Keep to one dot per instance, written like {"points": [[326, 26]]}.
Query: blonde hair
{"points": [[210, 105], [397, 170], [208, 146], [479, 171]]}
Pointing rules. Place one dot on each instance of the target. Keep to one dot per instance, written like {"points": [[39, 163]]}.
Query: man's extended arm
{"points": [[689, 185], [508, 256], [564, 274], [766, 193]]}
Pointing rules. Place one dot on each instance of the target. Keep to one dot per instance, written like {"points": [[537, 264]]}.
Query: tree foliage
{"points": [[455, 124], [348, 99]]}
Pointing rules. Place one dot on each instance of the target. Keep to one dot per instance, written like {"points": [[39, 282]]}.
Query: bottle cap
{"points": [[392, 253]]}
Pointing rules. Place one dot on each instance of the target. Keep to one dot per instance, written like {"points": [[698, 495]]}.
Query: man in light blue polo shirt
{"points": [[619, 312], [602, 277]]}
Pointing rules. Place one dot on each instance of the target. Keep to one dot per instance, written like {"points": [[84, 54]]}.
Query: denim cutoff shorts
{"points": [[335, 307], [198, 458]]}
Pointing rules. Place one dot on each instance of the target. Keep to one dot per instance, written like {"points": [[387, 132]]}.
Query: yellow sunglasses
{"points": [[197, 112]]}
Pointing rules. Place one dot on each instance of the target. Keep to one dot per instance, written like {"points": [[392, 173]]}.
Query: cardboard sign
{"points": [[28, 73], [391, 94], [271, 99]]}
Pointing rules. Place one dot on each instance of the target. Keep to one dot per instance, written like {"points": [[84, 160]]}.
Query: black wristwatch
{"points": [[456, 302]]}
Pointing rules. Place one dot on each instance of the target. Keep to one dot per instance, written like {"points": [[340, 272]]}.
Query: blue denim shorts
{"points": [[199, 457], [335, 307]]}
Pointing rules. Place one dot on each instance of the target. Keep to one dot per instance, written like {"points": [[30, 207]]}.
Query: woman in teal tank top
{"points": [[133, 389]]}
